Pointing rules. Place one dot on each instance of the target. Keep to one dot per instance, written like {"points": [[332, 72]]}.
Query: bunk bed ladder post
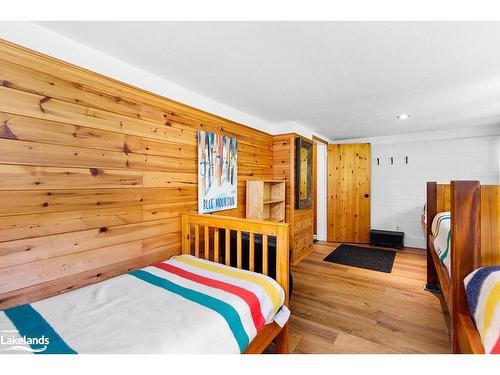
{"points": [[432, 284], [465, 248]]}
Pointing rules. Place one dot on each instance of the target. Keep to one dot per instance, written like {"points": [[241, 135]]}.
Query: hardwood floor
{"points": [[341, 309]]}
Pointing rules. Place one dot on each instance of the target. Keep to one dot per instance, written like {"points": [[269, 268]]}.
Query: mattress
{"points": [[483, 294], [183, 305], [441, 230]]}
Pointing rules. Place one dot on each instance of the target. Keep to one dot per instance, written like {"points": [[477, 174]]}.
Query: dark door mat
{"points": [[363, 257]]}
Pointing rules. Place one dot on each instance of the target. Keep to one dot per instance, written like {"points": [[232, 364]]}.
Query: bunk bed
{"points": [[472, 245], [191, 303]]}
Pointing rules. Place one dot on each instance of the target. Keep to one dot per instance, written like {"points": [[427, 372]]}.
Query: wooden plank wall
{"points": [[94, 174], [301, 221]]}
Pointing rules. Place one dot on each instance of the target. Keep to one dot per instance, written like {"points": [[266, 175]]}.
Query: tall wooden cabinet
{"points": [[300, 220]]}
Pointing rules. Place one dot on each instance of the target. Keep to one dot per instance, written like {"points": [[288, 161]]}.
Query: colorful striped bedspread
{"points": [[183, 305], [483, 293], [441, 229]]}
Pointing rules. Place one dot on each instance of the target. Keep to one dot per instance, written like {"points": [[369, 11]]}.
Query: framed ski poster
{"points": [[217, 172]]}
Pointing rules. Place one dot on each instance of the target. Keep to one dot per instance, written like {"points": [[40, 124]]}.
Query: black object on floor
{"points": [[387, 238], [363, 257]]}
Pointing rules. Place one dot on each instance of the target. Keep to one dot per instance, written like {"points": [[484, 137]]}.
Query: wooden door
{"points": [[349, 193]]}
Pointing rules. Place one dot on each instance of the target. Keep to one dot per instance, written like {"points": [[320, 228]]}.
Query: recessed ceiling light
{"points": [[403, 116]]}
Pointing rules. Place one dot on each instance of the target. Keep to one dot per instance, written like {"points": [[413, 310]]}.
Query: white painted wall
{"points": [[321, 191], [399, 190]]}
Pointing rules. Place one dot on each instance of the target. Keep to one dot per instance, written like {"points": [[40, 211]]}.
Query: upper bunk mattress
{"points": [[483, 294], [441, 229], [183, 305]]}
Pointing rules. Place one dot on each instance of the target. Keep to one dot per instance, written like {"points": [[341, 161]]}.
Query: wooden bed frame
{"points": [[202, 231], [475, 242], [200, 237]]}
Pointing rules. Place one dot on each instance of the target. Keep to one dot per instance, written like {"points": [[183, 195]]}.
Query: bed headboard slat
{"points": [[490, 225], [443, 197]]}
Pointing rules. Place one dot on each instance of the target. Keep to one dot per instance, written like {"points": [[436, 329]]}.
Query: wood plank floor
{"points": [[341, 309]]}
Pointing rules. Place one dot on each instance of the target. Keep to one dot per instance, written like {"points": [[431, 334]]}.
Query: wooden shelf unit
{"points": [[266, 200]]}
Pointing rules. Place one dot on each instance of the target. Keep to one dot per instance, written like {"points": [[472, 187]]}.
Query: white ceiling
{"points": [[341, 79]]}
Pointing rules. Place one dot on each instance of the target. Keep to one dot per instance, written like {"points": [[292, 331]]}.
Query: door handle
{"points": [[367, 195]]}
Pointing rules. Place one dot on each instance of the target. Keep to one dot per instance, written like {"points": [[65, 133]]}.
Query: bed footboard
{"points": [[201, 238]]}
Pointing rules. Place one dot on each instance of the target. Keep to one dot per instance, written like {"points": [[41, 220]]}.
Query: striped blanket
{"points": [[483, 294], [183, 305], [441, 229]]}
